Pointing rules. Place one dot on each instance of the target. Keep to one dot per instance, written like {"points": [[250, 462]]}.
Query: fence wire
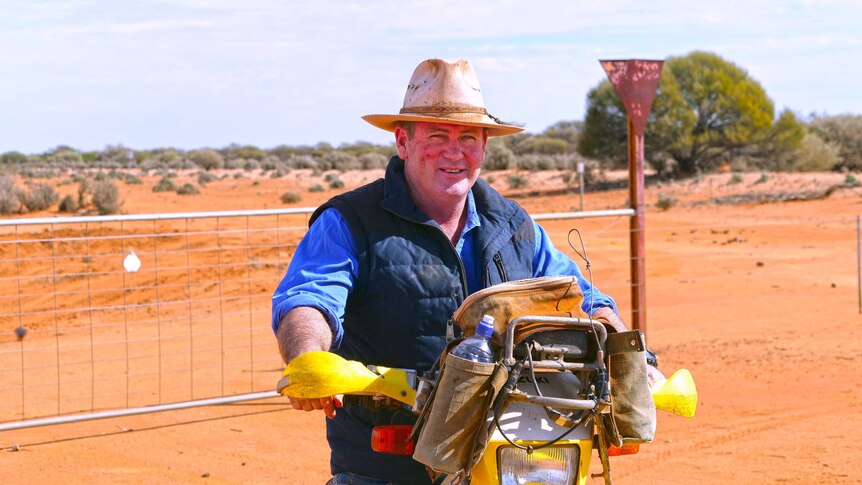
{"points": [[104, 314], [82, 332]]}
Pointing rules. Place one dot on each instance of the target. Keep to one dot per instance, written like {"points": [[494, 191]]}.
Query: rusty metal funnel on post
{"points": [[636, 81]]}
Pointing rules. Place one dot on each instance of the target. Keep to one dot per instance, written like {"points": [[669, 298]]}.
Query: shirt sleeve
{"points": [[550, 261], [321, 273]]}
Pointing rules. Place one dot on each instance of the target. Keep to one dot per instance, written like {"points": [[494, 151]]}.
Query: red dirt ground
{"points": [[759, 301]]}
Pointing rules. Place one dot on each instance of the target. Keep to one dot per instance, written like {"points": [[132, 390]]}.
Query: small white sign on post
{"points": [[580, 167]]}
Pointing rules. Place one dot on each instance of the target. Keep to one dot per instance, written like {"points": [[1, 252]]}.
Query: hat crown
{"points": [[442, 84]]}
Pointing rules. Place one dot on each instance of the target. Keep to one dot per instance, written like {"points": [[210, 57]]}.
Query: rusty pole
{"points": [[636, 81]]}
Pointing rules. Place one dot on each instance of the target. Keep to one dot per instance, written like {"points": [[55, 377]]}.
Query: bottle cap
{"points": [[486, 326]]}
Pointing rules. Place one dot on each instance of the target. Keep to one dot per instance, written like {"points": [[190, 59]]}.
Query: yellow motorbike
{"points": [[540, 425]]}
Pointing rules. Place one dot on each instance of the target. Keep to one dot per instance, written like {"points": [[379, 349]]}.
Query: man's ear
{"points": [[401, 142]]}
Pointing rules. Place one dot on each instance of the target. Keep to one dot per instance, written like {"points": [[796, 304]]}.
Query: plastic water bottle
{"points": [[477, 347]]}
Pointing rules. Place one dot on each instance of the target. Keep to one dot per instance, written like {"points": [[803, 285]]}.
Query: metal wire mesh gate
{"points": [[84, 334], [81, 333]]}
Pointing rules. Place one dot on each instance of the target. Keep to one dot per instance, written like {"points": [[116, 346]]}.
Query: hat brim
{"points": [[389, 122]]}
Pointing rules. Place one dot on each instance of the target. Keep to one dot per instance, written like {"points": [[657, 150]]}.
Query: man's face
{"points": [[442, 161]]}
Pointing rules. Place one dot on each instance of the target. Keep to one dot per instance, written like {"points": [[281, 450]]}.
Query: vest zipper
{"points": [[498, 260]]}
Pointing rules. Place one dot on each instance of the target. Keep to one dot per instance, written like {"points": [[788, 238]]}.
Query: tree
{"points": [[706, 112], [207, 159]]}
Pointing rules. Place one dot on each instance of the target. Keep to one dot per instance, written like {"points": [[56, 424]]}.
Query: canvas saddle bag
{"points": [[453, 425], [632, 417]]}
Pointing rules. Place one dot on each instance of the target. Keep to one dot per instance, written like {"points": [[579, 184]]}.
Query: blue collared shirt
{"points": [[324, 268]]}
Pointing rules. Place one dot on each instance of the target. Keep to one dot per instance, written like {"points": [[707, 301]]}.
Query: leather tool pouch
{"points": [[452, 426], [632, 418]]}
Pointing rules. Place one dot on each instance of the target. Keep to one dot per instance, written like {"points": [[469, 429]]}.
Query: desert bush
{"points": [[845, 132], [330, 177], [542, 145], [9, 202], [303, 161], [205, 178], [207, 159], [816, 155], [188, 189], [735, 179], [290, 197], [165, 184], [106, 197], [239, 175], [39, 197], [64, 156], [336, 184], [339, 161], [132, 180], [269, 164], [665, 202], [517, 182], [499, 157], [16, 158], [278, 173], [234, 163], [763, 178], [850, 181], [251, 165], [316, 188], [85, 191], [370, 161], [68, 204]]}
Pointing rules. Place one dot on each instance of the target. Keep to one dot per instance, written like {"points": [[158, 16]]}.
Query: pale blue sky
{"points": [[207, 73]]}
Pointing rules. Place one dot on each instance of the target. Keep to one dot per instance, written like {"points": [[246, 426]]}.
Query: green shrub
{"points": [[290, 197], [316, 188], [132, 180], [850, 181], [336, 184], [665, 202], [69, 204], [165, 185], [106, 197], [517, 182], [207, 159], [735, 179], [17, 158], [188, 189]]}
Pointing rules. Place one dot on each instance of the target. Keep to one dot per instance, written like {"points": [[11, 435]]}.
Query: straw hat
{"points": [[444, 92]]}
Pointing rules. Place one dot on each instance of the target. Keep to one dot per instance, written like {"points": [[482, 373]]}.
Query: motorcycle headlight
{"points": [[551, 465]]}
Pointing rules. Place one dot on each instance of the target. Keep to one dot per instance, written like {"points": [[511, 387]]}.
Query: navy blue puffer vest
{"points": [[410, 282]]}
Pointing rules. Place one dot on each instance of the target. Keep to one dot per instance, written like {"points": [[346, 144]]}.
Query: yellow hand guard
{"points": [[677, 395], [322, 374]]}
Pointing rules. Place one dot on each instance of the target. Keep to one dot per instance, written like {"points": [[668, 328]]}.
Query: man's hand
{"points": [[327, 404]]}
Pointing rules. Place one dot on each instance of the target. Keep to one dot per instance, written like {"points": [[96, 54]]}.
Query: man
{"points": [[383, 267]]}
